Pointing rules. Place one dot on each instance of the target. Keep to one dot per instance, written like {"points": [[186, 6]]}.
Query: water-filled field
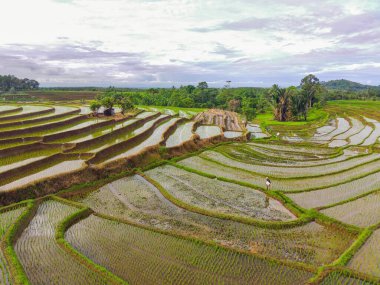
{"points": [[154, 197]]}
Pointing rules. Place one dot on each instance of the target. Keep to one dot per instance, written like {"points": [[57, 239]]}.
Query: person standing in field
{"points": [[268, 183]]}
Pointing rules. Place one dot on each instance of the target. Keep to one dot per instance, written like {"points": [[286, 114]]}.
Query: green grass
{"points": [[175, 109], [315, 115], [355, 104]]}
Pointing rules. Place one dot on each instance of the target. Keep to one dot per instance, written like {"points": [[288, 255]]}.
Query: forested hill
{"points": [[347, 85]]}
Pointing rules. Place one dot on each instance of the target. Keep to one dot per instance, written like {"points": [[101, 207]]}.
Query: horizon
{"points": [[160, 44], [194, 84]]}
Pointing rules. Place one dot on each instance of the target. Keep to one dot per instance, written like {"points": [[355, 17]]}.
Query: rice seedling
{"points": [[198, 219], [21, 157], [294, 148], [37, 122], [106, 143], [70, 126], [27, 111], [362, 212], [299, 184], [367, 259], [241, 152], [135, 199], [42, 259], [10, 166], [144, 257], [288, 155], [56, 169], [337, 277], [291, 172], [154, 139], [217, 195], [7, 218], [4, 145], [144, 115], [335, 194], [92, 134]]}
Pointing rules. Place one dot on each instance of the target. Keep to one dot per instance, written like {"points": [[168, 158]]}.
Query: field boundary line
{"points": [[16, 270], [297, 265], [347, 200], [60, 231], [302, 219], [290, 178], [290, 166]]}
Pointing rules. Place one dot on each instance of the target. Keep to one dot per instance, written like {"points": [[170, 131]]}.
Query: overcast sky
{"points": [[153, 43]]}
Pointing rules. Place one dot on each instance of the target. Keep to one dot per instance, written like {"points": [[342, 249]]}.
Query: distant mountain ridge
{"points": [[343, 84]]}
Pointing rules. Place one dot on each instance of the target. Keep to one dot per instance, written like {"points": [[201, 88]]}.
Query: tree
{"points": [[249, 108], [95, 106], [10, 81], [108, 102], [299, 105], [126, 105], [202, 85], [190, 88], [281, 102], [311, 87]]}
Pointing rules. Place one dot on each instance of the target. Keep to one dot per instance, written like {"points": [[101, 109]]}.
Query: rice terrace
{"points": [[190, 142]]}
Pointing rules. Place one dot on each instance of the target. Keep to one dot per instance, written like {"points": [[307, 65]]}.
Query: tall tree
{"points": [[202, 85], [299, 105], [249, 106], [281, 102], [311, 87]]}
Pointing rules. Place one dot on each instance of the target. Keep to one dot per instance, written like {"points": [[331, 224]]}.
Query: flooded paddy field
{"points": [[199, 209]]}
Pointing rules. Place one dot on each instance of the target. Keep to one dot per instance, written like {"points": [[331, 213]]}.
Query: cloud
{"points": [[173, 42]]}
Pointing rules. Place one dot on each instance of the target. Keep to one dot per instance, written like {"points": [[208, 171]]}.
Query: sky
{"points": [[154, 43]]}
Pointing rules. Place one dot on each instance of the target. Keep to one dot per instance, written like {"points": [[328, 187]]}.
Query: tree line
{"points": [[12, 83], [291, 103], [248, 101]]}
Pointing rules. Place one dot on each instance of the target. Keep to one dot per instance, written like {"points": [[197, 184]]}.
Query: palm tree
{"points": [[282, 102]]}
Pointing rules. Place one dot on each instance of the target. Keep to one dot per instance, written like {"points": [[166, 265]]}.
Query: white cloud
{"points": [[197, 36]]}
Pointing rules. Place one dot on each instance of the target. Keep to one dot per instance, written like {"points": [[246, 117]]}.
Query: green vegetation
{"points": [[12, 84], [143, 199], [141, 256], [348, 85], [314, 115], [292, 104], [56, 265]]}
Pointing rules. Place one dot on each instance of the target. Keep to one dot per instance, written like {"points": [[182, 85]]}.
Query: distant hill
{"points": [[343, 84]]}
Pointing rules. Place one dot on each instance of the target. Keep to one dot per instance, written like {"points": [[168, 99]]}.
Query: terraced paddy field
{"points": [[153, 197]]}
